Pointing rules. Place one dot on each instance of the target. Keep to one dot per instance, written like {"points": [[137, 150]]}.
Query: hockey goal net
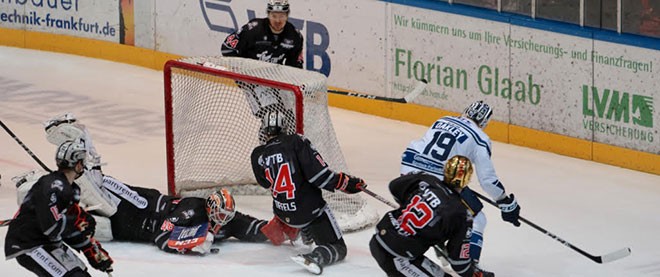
{"points": [[213, 124]]}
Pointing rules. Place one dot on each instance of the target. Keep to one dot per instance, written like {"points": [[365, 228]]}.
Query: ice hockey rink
{"points": [[596, 207]]}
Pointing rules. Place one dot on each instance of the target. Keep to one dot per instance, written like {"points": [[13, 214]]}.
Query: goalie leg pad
{"points": [[63, 131], [24, 183], [278, 232], [92, 194], [103, 231]]}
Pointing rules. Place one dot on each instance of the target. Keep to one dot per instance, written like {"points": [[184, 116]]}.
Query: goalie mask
{"points": [[220, 207], [458, 172], [70, 153], [479, 112]]}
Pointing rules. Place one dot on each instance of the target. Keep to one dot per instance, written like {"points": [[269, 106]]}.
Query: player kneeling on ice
{"points": [[431, 214], [131, 213], [50, 221], [295, 173]]}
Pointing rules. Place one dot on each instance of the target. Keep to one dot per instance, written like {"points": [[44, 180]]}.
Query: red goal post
{"points": [[211, 127]]}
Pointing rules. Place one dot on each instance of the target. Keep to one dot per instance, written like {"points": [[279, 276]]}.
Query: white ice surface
{"points": [[596, 207]]}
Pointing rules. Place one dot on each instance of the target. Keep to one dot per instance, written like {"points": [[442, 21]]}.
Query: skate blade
{"points": [[308, 264]]}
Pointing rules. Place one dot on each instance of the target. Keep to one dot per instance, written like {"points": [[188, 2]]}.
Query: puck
{"points": [[215, 250]]}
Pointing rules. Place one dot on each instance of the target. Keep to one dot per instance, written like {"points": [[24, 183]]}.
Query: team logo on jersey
{"points": [[287, 44], [188, 214], [53, 199], [167, 226], [57, 184]]}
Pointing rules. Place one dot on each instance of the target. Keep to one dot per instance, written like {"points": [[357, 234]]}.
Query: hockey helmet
{"points": [[479, 112], [280, 6], [458, 172], [273, 122], [220, 207], [70, 152]]}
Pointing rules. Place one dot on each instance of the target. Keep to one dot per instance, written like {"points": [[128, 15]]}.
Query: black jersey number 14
{"points": [[283, 182]]}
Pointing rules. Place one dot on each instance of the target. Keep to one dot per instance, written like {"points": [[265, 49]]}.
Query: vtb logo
{"points": [[220, 17]]}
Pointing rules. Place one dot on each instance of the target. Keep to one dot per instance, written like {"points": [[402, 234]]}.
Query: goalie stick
{"points": [[406, 99], [24, 147], [613, 256]]}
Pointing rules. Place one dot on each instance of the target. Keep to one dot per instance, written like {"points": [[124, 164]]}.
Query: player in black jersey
{"points": [[431, 213], [50, 221], [272, 39], [295, 173], [131, 213], [146, 215]]}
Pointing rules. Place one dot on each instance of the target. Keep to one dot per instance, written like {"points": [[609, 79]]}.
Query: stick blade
{"points": [[416, 91], [616, 255]]}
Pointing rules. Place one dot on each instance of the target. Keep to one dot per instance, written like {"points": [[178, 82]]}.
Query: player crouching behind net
{"points": [[431, 213], [295, 173], [131, 213]]}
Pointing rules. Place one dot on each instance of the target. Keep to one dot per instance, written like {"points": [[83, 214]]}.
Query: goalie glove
{"points": [[350, 184], [510, 209], [62, 128], [97, 257]]}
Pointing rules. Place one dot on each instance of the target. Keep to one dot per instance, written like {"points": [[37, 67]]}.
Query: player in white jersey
{"points": [[450, 136]]}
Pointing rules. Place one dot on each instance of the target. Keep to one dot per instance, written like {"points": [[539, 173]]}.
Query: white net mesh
{"points": [[215, 122]]}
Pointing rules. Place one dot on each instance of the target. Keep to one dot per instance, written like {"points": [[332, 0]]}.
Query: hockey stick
{"points": [[613, 256], [406, 99], [379, 198], [442, 254], [24, 147]]}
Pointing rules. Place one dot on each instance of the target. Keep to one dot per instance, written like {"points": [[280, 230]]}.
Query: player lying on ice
{"points": [[130, 213]]}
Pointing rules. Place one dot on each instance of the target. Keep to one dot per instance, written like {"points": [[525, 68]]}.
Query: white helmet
{"points": [[479, 112], [281, 6], [273, 122], [70, 152], [220, 207]]}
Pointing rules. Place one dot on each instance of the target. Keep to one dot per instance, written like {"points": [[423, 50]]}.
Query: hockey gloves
{"points": [[82, 221], [97, 257], [350, 184], [510, 209]]}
